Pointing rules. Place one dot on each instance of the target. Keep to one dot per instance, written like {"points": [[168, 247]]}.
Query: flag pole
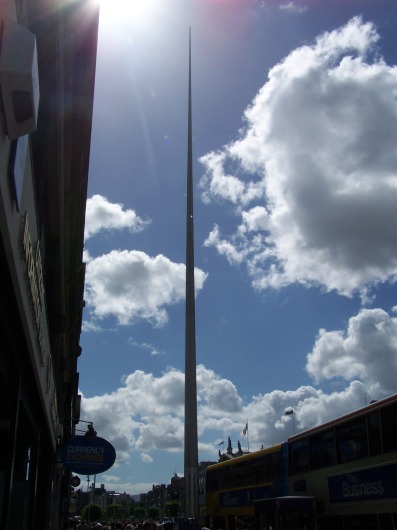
{"points": [[246, 433], [290, 412]]}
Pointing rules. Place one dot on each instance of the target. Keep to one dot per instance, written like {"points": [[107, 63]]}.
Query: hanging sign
{"points": [[88, 456]]}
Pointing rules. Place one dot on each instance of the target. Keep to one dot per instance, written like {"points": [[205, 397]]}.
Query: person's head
{"points": [[149, 524]]}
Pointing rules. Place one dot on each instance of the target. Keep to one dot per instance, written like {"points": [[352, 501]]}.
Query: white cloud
{"points": [[255, 219], [131, 285], [314, 189], [366, 350], [102, 215], [146, 458], [153, 350], [220, 397], [128, 285], [137, 421], [293, 7], [313, 177], [134, 419], [227, 187]]}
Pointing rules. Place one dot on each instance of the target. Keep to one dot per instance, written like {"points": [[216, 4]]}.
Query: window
{"points": [[374, 437], [242, 475], [272, 466], [388, 417], [322, 449], [351, 440], [231, 477], [258, 470], [215, 479], [299, 456]]}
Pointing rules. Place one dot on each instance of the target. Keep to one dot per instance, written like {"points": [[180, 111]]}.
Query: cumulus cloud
{"points": [[131, 285], [313, 175], [128, 285], [312, 179], [103, 215], [366, 350], [364, 357], [133, 418]]}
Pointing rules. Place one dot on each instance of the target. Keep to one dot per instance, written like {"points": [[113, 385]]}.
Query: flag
{"points": [[245, 430], [289, 412], [222, 442]]}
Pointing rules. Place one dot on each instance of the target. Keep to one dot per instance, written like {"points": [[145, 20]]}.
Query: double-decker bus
{"points": [[350, 466], [341, 475], [232, 486]]}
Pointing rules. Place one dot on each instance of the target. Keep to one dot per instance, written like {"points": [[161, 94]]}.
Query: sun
{"points": [[135, 10]]}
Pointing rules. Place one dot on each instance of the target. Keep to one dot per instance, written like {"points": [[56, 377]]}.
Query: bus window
{"points": [[389, 432], [242, 475], [210, 481], [351, 440], [257, 470], [299, 456], [374, 437], [231, 477], [272, 466], [322, 449]]}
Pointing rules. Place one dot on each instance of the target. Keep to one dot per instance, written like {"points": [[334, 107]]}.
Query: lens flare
{"points": [[126, 9]]}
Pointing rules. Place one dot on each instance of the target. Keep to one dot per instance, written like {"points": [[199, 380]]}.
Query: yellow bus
{"points": [[349, 465], [232, 487], [341, 475]]}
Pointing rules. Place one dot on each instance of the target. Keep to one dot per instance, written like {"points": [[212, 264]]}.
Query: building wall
{"points": [[42, 207]]}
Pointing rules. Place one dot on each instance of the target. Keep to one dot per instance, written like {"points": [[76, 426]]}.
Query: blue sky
{"points": [[295, 169]]}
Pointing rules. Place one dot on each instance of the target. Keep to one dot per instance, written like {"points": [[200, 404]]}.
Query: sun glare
{"points": [[126, 9]]}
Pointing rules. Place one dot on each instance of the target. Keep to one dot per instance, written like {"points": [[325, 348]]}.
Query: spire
{"points": [[191, 438]]}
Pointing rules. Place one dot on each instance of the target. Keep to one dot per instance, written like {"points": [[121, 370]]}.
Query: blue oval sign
{"points": [[88, 456]]}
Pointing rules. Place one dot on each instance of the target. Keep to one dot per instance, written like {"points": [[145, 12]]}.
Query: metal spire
{"points": [[191, 438]]}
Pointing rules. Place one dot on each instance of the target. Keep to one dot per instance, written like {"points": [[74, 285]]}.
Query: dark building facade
{"points": [[47, 72]]}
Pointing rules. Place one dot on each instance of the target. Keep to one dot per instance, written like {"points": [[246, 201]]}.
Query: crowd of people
{"points": [[148, 524]]}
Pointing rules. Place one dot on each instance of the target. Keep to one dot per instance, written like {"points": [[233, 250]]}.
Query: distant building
{"points": [[99, 496], [155, 498], [202, 483], [160, 496], [103, 498], [229, 454], [175, 490]]}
